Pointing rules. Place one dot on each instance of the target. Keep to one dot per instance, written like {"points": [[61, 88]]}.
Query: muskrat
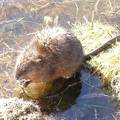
{"points": [[53, 53]]}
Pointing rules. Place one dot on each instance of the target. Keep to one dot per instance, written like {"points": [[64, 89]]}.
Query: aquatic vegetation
{"points": [[107, 63]]}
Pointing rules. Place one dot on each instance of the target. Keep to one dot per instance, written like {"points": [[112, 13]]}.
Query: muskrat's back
{"points": [[51, 54]]}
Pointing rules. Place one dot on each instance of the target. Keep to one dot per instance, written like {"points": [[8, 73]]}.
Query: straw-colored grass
{"points": [[17, 109], [107, 63]]}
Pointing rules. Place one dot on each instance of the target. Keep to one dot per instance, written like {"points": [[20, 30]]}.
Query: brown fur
{"points": [[52, 53]]}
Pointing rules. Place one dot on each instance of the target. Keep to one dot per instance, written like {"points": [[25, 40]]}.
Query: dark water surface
{"points": [[84, 100]]}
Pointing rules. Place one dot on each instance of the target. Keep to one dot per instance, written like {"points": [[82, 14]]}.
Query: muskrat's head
{"points": [[52, 53], [37, 62], [30, 64], [33, 71]]}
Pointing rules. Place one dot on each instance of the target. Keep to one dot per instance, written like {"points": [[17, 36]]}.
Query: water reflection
{"points": [[65, 98], [81, 100]]}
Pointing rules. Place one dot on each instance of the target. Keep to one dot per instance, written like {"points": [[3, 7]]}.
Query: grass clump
{"points": [[107, 62], [17, 109]]}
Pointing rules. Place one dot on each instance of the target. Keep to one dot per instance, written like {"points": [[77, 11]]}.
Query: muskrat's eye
{"points": [[19, 73], [26, 83]]}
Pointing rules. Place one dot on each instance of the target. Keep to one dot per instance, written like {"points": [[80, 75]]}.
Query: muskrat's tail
{"points": [[102, 47]]}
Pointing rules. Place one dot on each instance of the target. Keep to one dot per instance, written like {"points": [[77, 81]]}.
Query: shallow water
{"points": [[85, 100]]}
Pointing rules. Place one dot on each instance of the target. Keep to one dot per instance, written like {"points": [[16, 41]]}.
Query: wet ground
{"points": [[19, 20]]}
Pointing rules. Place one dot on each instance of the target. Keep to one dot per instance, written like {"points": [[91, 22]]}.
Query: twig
{"points": [[77, 9], [96, 6], [7, 52], [11, 21]]}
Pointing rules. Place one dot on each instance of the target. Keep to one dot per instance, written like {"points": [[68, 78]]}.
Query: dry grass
{"points": [[17, 109], [107, 62], [9, 49]]}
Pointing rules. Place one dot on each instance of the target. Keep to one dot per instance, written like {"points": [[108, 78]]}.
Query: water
{"points": [[83, 100]]}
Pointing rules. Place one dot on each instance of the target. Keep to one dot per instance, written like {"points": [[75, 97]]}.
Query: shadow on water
{"points": [[64, 99], [82, 99]]}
